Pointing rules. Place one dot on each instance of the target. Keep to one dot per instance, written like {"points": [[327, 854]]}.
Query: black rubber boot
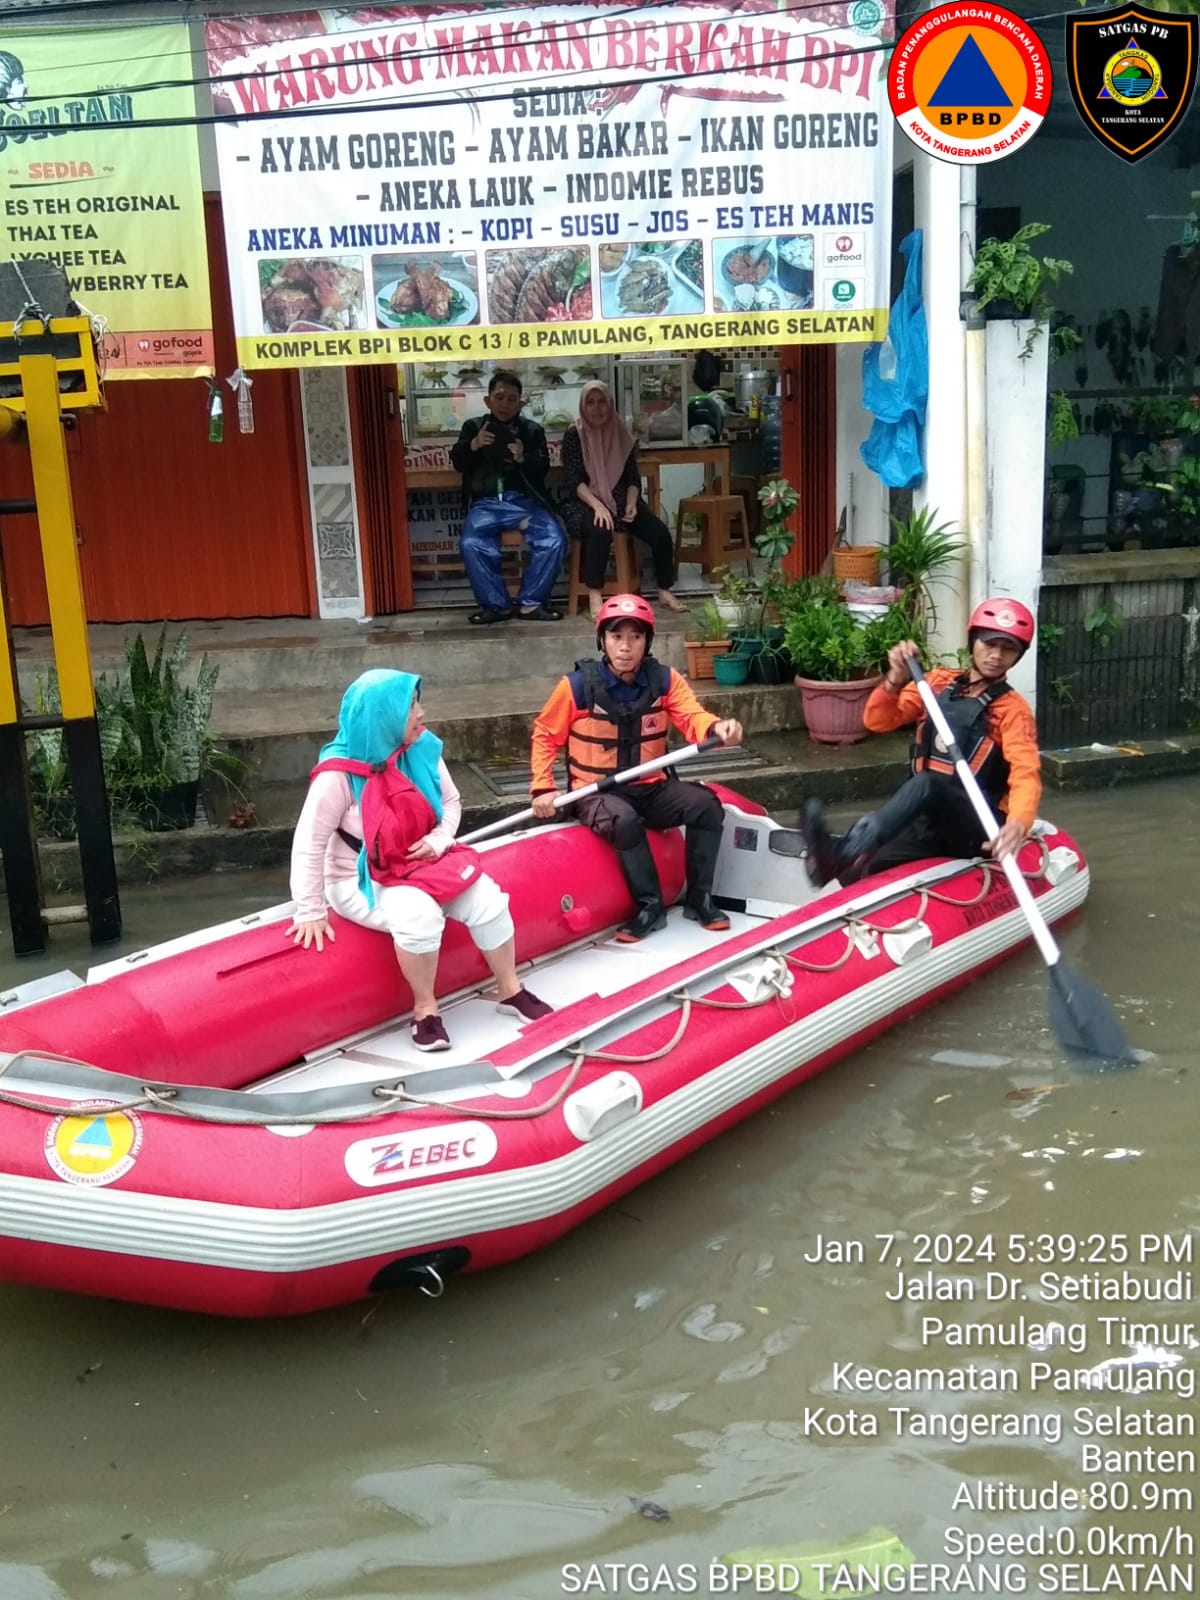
{"points": [[824, 852], [637, 863], [703, 847], [845, 857]]}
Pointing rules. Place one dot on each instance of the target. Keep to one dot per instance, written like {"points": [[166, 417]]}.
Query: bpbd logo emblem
{"points": [[970, 83], [1132, 74]]}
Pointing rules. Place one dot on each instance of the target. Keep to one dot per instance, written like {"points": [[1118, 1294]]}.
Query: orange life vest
{"points": [[614, 735]]}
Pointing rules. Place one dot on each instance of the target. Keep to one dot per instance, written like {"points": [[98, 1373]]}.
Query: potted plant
{"points": [[921, 548], [731, 668], [838, 663], [159, 744], [755, 637], [1009, 281], [736, 596], [711, 640]]}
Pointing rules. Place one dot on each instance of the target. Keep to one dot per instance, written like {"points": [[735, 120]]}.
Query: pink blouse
{"points": [[320, 855]]}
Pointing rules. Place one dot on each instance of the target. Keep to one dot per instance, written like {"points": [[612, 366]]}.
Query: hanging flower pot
{"points": [[833, 711]]}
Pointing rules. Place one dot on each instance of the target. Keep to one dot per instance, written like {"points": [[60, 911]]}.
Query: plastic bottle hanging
{"points": [[216, 416]]}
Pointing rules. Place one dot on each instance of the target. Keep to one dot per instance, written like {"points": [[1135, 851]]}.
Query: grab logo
{"points": [[421, 1153]]}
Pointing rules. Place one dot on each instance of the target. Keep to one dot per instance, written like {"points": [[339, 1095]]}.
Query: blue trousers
{"points": [[480, 545]]}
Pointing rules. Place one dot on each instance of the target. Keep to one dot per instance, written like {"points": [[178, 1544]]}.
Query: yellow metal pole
{"points": [[56, 523], [68, 624]]}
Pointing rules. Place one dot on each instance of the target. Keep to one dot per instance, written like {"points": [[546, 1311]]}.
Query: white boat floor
{"points": [[477, 1030]]}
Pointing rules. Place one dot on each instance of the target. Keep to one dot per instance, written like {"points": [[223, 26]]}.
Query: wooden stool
{"points": [[627, 581], [748, 488], [724, 534], [512, 559]]}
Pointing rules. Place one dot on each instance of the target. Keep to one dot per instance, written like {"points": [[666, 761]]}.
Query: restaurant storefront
{"points": [[692, 205]]}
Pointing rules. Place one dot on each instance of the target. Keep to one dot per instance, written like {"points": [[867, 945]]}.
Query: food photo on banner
{"points": [[119, 207], [442, 183]]}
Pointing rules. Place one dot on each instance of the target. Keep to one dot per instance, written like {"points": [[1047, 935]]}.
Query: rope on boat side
{"points": [[167, 1098], [987, 870]]}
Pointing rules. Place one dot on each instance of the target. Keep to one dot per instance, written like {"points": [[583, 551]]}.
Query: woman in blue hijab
{"points": [[380, 717]]}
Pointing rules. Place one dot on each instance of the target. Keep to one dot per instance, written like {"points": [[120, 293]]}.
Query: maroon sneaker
{"points": [[430, 1034], [524, 1005]]}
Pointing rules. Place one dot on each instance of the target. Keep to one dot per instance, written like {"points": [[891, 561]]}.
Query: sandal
{"points": [[672, 602], [540, 614], [484, 617]]}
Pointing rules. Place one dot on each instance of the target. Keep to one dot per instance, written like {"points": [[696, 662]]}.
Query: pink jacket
{"points": [[321, 856]]}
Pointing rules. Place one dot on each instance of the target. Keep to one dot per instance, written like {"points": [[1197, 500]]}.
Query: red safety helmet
{"points": [[1002, 615], [625, 608]]}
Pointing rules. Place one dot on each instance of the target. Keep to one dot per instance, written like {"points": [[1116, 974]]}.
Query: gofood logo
{"points": [[426, 1153], [842, 250]]}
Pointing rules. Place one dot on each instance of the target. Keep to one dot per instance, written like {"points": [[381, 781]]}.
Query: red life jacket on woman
{"points": [[395, 814]]}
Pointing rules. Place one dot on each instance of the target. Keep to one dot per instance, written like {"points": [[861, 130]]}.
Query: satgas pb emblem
{"points": [[1132, 73]]}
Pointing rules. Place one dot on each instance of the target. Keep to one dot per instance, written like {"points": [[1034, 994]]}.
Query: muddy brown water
{"points": [[515, 1438]]}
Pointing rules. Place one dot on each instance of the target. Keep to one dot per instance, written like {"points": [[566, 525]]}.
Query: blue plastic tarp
{"points": [[896, 383]]}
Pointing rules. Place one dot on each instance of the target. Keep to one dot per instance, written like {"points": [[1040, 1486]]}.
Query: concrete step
{"points": [[278, 733], [289, 655], [849, 776], [269, 735], [793, 768]]}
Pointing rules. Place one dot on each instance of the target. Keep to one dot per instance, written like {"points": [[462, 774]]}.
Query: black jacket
{"points": [[492, 470]]}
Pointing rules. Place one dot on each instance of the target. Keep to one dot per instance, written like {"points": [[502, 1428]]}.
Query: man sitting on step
{"points": [[611, 715], [504, 459]]}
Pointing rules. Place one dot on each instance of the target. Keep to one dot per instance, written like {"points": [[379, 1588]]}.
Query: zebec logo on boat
{"points": [[970, 82], [425, 1152]]}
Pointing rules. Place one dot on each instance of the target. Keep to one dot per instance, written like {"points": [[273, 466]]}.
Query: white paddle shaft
{"points": [[573, 796]]}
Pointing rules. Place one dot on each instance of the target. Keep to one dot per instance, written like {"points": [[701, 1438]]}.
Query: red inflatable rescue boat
{"points": [[226, 1123]]}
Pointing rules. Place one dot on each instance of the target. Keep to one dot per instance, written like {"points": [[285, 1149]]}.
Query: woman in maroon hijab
{"points": [[603, 491]]}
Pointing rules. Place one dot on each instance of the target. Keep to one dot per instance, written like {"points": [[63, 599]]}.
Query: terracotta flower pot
{"points": [[700, 654], [833, 711]]}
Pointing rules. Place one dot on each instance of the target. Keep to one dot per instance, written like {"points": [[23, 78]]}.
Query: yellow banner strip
{"points": [[714, 330]]}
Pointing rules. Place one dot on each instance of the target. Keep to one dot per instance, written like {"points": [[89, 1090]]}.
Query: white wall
{"points": [[858, 488]]}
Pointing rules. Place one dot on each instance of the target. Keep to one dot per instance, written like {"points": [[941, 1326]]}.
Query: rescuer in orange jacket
{"points": [[931, 814], [614, 714]]}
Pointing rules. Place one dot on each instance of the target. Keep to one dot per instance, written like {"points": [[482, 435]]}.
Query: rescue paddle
{"points": [[672, 759], [1081, 1016]]}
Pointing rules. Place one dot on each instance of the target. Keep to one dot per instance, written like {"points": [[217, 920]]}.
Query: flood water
{"points": [[494, 1443]]}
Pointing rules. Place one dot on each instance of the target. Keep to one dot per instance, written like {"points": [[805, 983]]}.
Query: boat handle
{"points": [[434, 1294]]}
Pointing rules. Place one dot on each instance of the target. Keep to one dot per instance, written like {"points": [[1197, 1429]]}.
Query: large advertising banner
{"points": [[118, 206], [425, 182]]}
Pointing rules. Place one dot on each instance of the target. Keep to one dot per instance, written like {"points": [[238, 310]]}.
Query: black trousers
{"points": [[597, 542], [930, 815], [622, 816]]}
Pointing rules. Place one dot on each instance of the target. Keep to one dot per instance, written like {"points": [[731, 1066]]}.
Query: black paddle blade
{"points": [[1084, 1020]]}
